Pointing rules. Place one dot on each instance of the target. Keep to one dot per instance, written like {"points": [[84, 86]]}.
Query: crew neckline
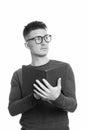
{"points": [[40, 65]]}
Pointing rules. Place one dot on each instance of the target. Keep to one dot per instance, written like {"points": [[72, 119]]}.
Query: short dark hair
{"points": [[33, 26]]}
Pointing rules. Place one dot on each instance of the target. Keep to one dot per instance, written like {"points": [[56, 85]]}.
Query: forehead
{"points": [[37, 32]]}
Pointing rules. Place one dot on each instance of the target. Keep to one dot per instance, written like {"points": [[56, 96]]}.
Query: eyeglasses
{"points": [[39, 39]]}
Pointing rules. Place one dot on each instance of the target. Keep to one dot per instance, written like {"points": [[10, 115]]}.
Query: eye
{"points": [[38, 38], [48, 38]]}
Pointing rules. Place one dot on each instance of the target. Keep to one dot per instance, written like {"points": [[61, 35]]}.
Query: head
{"points": [[36, 38]]}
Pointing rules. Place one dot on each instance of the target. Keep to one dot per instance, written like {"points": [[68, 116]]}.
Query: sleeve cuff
{"points": [[59, 101]]}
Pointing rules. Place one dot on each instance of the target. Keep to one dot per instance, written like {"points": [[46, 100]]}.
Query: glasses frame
{"points": [[34, 38]]}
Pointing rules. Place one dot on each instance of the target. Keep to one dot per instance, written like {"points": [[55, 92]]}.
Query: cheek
{"points": [[34, 48]]}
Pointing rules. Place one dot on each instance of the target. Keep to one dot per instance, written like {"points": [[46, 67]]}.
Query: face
{"points": [[37, 49]]}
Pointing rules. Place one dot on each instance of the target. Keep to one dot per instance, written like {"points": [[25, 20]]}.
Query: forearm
{"points": [[67, 99], [22, 105], [66, 103]]}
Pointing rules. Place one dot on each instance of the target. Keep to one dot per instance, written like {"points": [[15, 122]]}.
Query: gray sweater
{"points": [[38, 114]]}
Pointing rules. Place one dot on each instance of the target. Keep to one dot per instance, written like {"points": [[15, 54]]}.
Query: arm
{"points": [[18, 104], [61, 96], [67, 98]]}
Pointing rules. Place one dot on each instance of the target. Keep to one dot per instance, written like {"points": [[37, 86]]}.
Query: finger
{"points": [[47, 83], [41, 95], [49, 101], [59, 83], [36, 96], [42, 86], [40, 90], [45, 99]]}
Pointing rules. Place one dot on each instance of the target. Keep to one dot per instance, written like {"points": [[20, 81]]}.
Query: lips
{"points": [[43, 48]]}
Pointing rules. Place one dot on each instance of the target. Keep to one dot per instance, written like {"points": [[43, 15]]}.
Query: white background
{"points": [[67, 22]]}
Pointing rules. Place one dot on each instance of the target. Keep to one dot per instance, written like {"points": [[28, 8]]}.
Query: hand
{"points": [[49, 92], [38, 97]]}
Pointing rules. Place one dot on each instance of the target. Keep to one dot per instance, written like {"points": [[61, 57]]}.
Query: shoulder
{"points": [[17, 75], [66, 65], [68, 69], [57, 62], [17, 72]]}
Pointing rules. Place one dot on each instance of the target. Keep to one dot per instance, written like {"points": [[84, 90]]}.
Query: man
{"points": [[47, 107]]}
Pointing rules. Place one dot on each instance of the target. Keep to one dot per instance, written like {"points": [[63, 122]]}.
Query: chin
{"points": [[41, 55]]}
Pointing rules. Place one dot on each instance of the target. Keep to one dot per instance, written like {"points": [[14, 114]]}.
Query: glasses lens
{"points": [[47, 38], [38, 39]]}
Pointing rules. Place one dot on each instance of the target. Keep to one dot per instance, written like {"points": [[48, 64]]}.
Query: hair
{"points": [[33, 26]]}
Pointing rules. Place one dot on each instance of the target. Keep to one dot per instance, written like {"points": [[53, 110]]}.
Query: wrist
{"points": [[57, 95]]}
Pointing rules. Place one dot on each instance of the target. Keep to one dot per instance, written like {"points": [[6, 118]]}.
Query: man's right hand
{"points": [[38, 97]]}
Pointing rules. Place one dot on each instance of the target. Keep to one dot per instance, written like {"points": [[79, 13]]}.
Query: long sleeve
{"points": [[67, 99], [18, 104]]}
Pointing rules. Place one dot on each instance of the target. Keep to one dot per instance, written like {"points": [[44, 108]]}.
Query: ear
{"points": [[26, 45]]}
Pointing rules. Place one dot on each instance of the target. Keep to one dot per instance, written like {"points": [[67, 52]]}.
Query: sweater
{"points": [[39, 114]]}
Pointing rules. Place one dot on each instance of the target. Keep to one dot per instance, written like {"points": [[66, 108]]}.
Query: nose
{"points": [[43, 42]]}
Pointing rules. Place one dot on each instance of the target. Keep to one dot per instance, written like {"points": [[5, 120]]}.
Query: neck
{"points": [[37, 61]]}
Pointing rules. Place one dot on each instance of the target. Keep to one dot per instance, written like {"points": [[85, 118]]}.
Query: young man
{"points": [[47, 107]]}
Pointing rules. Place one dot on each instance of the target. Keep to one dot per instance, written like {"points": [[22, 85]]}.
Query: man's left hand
{"points": [[47, 92]]}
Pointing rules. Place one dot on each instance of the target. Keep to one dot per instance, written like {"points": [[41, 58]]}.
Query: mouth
{"points": [[43, 48]]}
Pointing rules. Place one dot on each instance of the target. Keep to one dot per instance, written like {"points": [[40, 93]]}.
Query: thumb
{"points": [[59, 83]]}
